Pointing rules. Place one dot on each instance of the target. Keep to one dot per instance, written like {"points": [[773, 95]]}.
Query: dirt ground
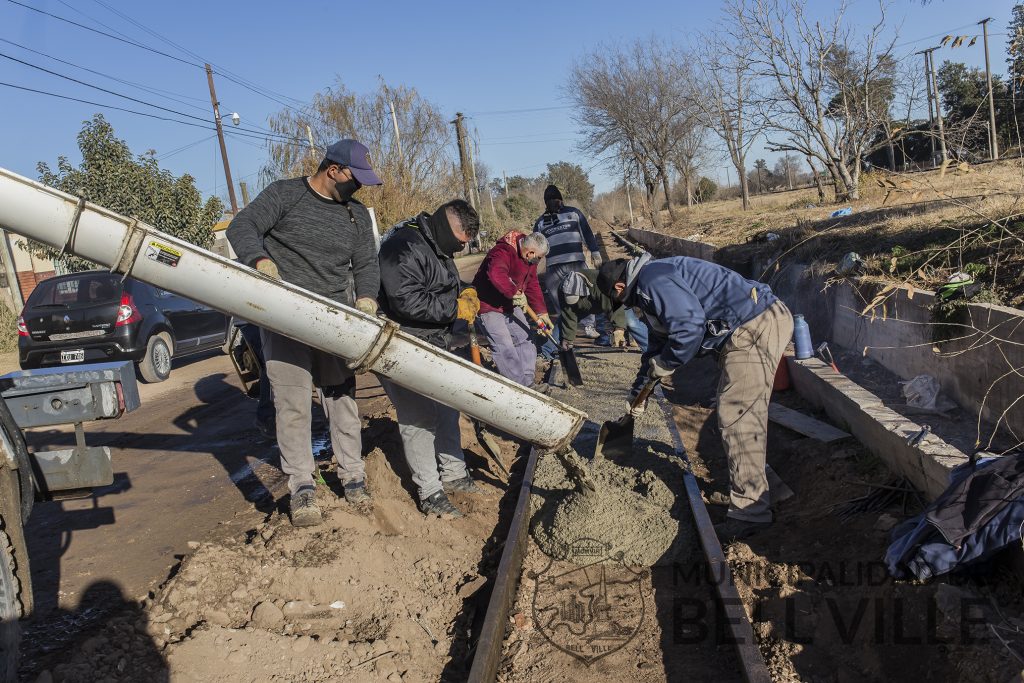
{"points": [[915, 228], [821, 601]]}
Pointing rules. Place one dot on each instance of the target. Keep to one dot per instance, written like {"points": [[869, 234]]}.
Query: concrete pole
{"points": [[931, 116], [505, 178], [993, 142], [245, 193], [220, 136], [11, 272], [629, 199], [938, 104]]}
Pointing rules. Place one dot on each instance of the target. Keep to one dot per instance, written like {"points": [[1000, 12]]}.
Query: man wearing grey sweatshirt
{"points": [[312, 233]]}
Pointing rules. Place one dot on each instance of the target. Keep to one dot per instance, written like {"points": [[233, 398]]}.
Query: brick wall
{"points": [[28, 280]]}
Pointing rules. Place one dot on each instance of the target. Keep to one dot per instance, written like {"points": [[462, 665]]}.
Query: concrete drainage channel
{"points": [[587, 612]]}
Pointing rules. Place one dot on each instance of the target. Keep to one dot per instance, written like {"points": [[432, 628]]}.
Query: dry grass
{"points": [[916, 228]]}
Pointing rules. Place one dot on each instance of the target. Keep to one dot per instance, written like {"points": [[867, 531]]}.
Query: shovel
{"points": [[616, 436], [567, 356], [482, 437]]}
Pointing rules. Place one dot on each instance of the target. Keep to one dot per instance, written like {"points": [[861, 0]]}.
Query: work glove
{"points": [[657, 369], [618, 338], [545, 320], [519, 299], [638, 410], [268, 267], [595, 257], [469, 305], [366, 305], [566, 345]]}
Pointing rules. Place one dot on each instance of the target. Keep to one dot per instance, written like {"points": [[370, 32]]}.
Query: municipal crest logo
{"points": [[592, 608]]}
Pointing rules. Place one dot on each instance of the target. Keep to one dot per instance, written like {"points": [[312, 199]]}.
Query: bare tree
{"points": [[418, 175], [729, 98], [830, 91], [690, 150], [629, 103]]}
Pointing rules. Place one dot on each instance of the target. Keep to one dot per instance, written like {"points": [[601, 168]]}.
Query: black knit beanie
{"points": [[552, 192], [609, 273]]}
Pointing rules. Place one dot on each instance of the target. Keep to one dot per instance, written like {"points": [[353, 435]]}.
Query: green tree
{"points": [[1015, 69], [706, 190], [573, 182], [112, 177], [964, 95], [522, 209]]}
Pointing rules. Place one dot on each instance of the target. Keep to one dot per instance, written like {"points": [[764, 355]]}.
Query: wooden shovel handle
{"points": [[474, 346], [541, 325], [644, 394]]}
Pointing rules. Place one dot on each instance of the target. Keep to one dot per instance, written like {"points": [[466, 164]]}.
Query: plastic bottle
{"points": [[802, 338]]}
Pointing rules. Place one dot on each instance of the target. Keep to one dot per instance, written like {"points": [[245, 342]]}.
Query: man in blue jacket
{"points": [[692, 308]]}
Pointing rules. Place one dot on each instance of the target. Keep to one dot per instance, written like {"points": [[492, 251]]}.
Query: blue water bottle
{"points": [[802, 338]]}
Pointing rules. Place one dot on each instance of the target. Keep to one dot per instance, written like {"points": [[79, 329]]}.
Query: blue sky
{"points": [[488, 60]]}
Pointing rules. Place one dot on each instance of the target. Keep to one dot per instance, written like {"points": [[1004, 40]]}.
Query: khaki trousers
{"points": [[749, 360], [294, 369]]}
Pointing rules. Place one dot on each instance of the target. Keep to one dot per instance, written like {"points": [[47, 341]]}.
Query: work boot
{"points": [[541, 388], [356, 492], [305, 511], [463, 485], [738, 529], [438, 505], [590, 332]]}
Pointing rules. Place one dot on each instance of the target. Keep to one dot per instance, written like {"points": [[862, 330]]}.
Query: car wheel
{"points": [[156, 365]]}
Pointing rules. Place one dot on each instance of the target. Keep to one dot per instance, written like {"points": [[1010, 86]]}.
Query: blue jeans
{"points": [[637, 329]]}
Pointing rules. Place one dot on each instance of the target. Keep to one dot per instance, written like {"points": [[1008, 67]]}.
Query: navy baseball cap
{"points": [[355, 156]]}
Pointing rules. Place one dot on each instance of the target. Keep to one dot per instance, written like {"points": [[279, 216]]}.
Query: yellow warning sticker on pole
{"points": [[161, 253]]}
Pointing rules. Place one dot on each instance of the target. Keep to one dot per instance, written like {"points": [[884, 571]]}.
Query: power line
{"points": [[502, 112], [108, 35], [128, 97], [131, 111], [152, 91], [168, 155]]}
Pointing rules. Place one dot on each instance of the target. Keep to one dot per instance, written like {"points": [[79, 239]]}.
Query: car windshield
{"points": [[84, 290]]}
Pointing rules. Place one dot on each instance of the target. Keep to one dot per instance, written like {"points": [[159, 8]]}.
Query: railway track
{"points": [[488, 654]]}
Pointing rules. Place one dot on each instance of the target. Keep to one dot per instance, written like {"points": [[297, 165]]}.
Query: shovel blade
{"points": [[616, 437], [488, 443], [572, 368]]}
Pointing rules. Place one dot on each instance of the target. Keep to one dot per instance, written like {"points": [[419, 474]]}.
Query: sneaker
{"points": [[590, 332], [305, 511], [356, 492], [438, 505], [463, 485]]}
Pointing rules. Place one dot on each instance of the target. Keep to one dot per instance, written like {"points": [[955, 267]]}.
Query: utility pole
{"points": [[928, 89], [629, 199], [460, 138], [398, 136], [309, 136], [993, 143], [505, 178], [938, 105], [245, 193], [475, 199], [220, 136]]}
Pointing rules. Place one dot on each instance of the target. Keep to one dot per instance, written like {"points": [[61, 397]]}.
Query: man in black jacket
{"points": [[421, 291]]}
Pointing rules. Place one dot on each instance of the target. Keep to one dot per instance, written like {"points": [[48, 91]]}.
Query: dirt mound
{"points": [[629, 513], [379, 593]]}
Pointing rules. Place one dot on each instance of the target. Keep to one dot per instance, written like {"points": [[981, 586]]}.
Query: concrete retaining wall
{"points": [[984, 370]]}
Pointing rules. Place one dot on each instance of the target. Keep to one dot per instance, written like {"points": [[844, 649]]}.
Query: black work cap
{"points": [[609, 273], [552, 192]]}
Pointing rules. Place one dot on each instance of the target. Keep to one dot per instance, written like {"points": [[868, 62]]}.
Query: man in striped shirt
{"points": [[568, 233]]}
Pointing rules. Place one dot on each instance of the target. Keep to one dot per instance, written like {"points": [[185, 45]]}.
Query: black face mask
{"points": [[446, 240], [553, 205], [347, 189]]}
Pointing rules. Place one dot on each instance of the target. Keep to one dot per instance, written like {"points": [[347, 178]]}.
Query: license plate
{"points": [[73, 356]]}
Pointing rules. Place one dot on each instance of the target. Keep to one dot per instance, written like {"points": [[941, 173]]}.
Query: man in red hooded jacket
{"points": [[506, 280]]}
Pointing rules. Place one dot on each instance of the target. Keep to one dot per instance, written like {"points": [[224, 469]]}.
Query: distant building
{"points": [[29, 269]]}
